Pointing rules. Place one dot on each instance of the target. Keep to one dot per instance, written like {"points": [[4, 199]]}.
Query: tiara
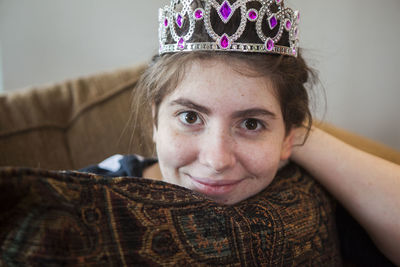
{"points": [[275, 25]]}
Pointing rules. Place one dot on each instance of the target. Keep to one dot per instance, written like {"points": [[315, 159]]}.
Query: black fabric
{"points": [[357, 248]]}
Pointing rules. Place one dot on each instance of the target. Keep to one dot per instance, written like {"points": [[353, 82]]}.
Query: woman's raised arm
{"points": [[366, 185]]}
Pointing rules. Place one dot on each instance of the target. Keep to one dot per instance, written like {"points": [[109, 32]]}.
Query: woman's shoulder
{"points": [[121, 165]]}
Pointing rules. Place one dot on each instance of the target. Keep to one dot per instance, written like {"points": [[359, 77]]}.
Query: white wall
{"points": [[353, 44], [50, 40], [1, 72]]}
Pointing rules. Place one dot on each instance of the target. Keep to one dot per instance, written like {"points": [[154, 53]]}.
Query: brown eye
{"points": [[189, 117], [251, 124]]}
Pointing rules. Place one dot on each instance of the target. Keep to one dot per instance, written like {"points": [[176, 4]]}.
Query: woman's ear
{"points": [[287, 144]]}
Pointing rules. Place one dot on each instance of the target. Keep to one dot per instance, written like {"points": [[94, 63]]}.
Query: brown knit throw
{"points": [[69, 218]]}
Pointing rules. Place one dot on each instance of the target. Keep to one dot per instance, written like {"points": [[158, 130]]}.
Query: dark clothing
{"points": [[118, 165]]}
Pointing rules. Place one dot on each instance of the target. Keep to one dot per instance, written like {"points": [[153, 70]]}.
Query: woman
{"points": [[225, 120]]}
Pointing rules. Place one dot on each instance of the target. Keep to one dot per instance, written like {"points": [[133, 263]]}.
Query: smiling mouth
{"points": [[213, 188]]}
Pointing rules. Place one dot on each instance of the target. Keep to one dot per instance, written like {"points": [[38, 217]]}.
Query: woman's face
{"points": [[221, 133]]}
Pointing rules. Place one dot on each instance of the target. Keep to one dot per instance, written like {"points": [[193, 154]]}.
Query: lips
{"points": [[213, 187]]}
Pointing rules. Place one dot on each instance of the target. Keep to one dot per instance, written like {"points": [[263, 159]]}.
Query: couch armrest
{"points": [[361, 142]]}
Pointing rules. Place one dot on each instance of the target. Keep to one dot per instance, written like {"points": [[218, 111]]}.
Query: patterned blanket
{"points": [[70, 218]]}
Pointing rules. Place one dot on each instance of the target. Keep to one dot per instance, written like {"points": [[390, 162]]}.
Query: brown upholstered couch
{"points": [[79, 122]]}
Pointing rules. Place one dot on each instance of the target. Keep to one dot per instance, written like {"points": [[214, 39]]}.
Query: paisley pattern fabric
{"points": [[72, 218]]}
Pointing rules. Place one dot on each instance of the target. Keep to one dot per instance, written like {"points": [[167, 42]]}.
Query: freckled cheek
{"points": [[176, 149], [261, 161]]}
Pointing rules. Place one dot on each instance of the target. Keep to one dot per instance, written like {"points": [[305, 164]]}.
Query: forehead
{"points": [[216, 82]]}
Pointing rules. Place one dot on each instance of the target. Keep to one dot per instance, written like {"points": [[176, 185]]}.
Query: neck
{"points": [[153, 172]]}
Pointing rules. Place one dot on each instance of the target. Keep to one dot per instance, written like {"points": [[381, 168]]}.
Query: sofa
{"points": [[82, 121], [72, 124]]}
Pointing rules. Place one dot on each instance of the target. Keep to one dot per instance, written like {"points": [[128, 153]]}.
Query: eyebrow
{"points": [[189, 104], [252, 112]]}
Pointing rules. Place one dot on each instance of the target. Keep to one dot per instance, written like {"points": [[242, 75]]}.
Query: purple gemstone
{"points": [[224, 42], [296, 32], [198, 14], [270, 44], [278, 1], [294, 51], [252, 15], [272, 22], [225, 10], [288, 25], [181, 43], [298, 17], [166, 22], [179, 20]]}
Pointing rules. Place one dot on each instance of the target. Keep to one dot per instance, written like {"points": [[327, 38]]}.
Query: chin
{"points": [[232, 199], [228, 201]]}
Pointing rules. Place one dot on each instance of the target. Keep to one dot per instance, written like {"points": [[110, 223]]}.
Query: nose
{"points": [[217, 151]]}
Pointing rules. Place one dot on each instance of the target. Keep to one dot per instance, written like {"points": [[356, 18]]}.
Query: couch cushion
{"points": [[362, 143], [104, 129], [69, 218], [68, 125]]}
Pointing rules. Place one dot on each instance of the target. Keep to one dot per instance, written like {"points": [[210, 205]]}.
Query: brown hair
{"points": [[289, 76]]}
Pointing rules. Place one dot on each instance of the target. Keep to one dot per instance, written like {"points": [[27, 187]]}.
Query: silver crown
{"points": [[173, 19]]}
